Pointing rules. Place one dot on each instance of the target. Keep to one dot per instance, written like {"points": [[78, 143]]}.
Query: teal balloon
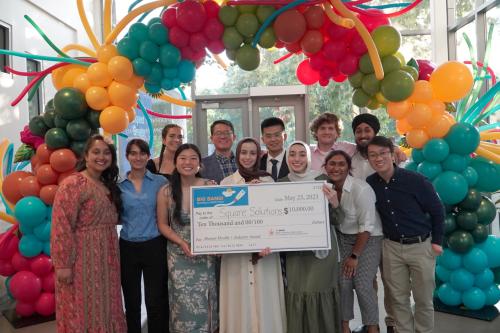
{"points": [[149, 51], [451, 187], [496, 272], [492, 294], [158, 33], [139, 32], [141, 67], [488, 174], [470, 176], [30, 211], [156, 73], [46, 248], [450, 224], [443, 274], [166, 84], [412, 166], [170, 73], [486, 212], [30, 246], [170, 56], [42, 231], [450, 260], [484, 279], [460, 241], [475, 261], [25, 230], [436, 150], [176, 83], [417, 155], [462, 138], [455, 162], [152, 88], [429, 169], [128, 48], [474, 298], [448, 295], [461, 279], [187, 71], [153, 21], [491, 246]]}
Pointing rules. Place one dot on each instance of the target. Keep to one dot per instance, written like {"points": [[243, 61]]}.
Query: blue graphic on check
{"points": [[220, 196]]}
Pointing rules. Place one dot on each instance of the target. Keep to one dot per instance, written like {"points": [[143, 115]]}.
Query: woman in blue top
{"points": [[143, 250]]}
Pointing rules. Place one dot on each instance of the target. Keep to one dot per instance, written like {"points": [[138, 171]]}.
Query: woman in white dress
{"points": [[251, 285]]}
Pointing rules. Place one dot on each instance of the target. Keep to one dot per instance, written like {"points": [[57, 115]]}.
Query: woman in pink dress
{"points": [[84, 245]]}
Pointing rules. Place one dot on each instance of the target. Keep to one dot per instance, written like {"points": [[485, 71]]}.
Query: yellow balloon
{"points": [[419, 116], [398, 110], [98, 74], [122, 95], [82, 82], [97, 98], [106, 52], [120, 68], [113, 119], [451, 81], [422, 93]]}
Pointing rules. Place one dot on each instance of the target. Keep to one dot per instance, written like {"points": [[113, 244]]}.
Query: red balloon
{"points": [[48, 282], [199, 55], [305, 74], [46, 175], [335, 50], [11, 186], [198, 41], [25, 309], [213, 29], [279, 44], [63, 160], [20, 262], [425, 69], [317, 62], [372, 22], [211, 8], [339, 78], [63, 176], [191, 16], [290, 26], [25, 286], [336, 32], [8, 246], [315, 17], [312, 42], [216, 46], [29, 187], [41, 265], [46, 304], [43, 153], [357, 45], [168, 17], [293, 47], [349, 65], [6, 267], [323, 82], [178, 37], [47, 194]]}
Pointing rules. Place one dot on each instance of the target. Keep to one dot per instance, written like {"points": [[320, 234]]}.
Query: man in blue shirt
{"points": [[412, 220]]}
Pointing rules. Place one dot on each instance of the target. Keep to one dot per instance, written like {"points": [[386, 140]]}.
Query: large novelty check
{"points": [[249, 218]]}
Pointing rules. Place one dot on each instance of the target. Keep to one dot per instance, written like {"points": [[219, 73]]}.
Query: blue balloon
{"points": [[42, 231], [442, 273], [30, 211], [417, 156], [470, 175], [491, 247], [475, 261], [451, 187], [448, 295], [461, 279], [187, 71], [474, 298], [30, 246], [450, 260], [46, 248], [429, 169], [436, 150], [484, 279], [492, 294], [462, 138], [455, 162]]}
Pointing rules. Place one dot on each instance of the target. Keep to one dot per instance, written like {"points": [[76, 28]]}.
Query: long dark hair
{"points": [[164, 134], [254, 172], [175, 180], [109, 177]]}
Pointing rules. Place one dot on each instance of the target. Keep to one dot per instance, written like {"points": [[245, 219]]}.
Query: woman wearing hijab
{"points": [[312, 292]]}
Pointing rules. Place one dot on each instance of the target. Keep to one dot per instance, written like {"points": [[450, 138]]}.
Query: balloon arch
{"points": [[437, 109]]}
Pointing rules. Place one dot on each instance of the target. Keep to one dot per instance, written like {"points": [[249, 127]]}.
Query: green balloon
{"points": [[231, 54], [228, 15], [93, 119], [480, 233], [470, 176], [463, 138], [78, 129], [373, 104], [37, 126], [356, 79], [488, 174], [247, 24], [247, 8], [56, 138], [48, 117], [263, 12], [360, 98], [451, 187], [158, 33], [387, 40], [139, 32], [77, 147], [411, 70], [390, 63], [436, 150], [128, 47], [248, 57], [267, 39], [231, 38], [460, 241], [397, 86], [70, 103], [429, 169], [141, 67], [467, 220], [365, 64], [170, 56], [370, 84], [455, 162], [471, 201], [450, 224], [417, 155], [49, 106], [149, 51], [60, 122], [486, 212]]}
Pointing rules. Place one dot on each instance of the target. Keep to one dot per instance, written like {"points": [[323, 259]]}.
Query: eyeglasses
{"points": [[383, 154], [221, 134]]}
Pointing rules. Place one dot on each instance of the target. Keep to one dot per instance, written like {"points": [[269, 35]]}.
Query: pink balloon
{"points": [[8, 246], [187, 53], [25, 286], [198, 41], [216, 46], [325, 73], [168, 17], [178, 37], [20, 262], [211, 8], [6, 267], [336, 32], [305, 74], [46, 304], [41, 265], [25, 309], [349, 64], [425, 69], [373, 22], [48, 282], [357, 46], [213, 29], [191, 16], [335, 50], [199, 55], [317, 62]]}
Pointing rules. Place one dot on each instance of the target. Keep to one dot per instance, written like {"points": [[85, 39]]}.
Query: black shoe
{"points": [[391, 329], [361, 329]]}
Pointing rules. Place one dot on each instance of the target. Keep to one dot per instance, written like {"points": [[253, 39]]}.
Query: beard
{"points": [[363, 149]]}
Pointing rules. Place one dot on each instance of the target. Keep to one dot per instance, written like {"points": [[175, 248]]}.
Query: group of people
{"points": [[382, 216]]}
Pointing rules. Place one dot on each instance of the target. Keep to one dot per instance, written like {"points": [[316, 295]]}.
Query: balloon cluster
{"points": [[241, 24]]}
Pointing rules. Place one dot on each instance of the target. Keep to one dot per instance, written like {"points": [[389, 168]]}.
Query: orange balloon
{"points": [[417, 138], [422, 93], [398, 110], [97, 97], [451, 81], [82, 82], [46, 175], [437, 107], [131, 114], [63, 176], [120, 68], [113, 119], [63, 160], [58, 75], [11, 185], [29, 186], [47, 194], [98, 74], [43, 154], [419, 116], [71, 75], [122, 95], [34, 161], [440, 127], [134, 82], [106, 52], [402, 126]]}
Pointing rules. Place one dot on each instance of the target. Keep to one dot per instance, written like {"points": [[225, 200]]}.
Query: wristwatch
{"points": [[354, 256]]}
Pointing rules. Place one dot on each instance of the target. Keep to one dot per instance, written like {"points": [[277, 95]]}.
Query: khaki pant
{"points": [[410, 268]]}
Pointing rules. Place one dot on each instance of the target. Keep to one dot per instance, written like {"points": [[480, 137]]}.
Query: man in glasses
{"points": [[412, 221], [274, 137]]}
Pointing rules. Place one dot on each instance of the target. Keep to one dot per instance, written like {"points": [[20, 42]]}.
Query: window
{"points": [[35, 104], [4, 44]]}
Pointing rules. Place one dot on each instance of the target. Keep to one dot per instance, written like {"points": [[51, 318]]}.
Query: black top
{"points": [[152, 167], [408, 205]]}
